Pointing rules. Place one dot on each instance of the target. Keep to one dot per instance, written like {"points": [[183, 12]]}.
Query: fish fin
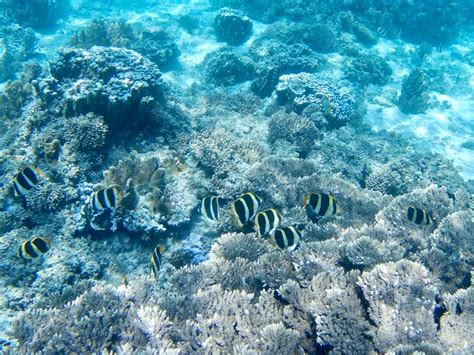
{"points": [[312, 216]]}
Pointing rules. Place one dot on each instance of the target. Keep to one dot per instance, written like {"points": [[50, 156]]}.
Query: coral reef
{"points": [[104, 33], [112, 82], [274, 59], [368, 69], [224, 67], [414, 96], [128, 141], [303, 90], [156, 45], [402, 312], [18, 45], [36, 13], [232, 28], [294, 129]]}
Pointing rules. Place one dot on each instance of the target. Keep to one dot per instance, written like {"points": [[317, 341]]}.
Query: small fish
{"points": [[210, 207], [26, 179], [286, 238], [244, 208], [440, 47], [108, 198], [266, 222], [325, 103], [34, 248], [381, 31], [155, 262], [319, 205], [419, 216], [125, 280]]}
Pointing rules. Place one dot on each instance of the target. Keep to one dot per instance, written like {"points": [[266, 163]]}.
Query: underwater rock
{"points": [[232, 28], [224, 67], [116, 83], [303, 90]]}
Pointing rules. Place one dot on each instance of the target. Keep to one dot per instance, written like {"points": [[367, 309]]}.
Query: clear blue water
{"points": [[316, 125]]}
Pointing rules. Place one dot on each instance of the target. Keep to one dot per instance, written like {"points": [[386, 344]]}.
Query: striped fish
{"points": [[155, 262], [382, 31], [210, 207], [266, 222], [319, 205], [325, 103], [418, 216], [107, 198], [34, 248], [286, 238], [26, 179], [244, 208]]}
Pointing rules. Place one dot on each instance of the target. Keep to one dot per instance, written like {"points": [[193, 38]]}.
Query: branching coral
{"points": [[297, 130], [401, 299], [414, 96], [105, 33]]}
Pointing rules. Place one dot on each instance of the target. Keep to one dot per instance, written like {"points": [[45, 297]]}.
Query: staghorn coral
{"points": [[224, 67], [401, 298], [98, 320], [296, 130], [456, 323], [223, 158], [232, 28]]}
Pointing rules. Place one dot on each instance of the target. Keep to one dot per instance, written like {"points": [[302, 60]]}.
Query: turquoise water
{"points": [[236, 176]]}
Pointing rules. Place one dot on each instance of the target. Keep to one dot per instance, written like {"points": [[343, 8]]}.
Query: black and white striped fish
{"points": [[155, 262], [26, 179], [34, 248], [419, 216], [107, 198], [210, 207], [286, 238], [244, 208], [319, 205], [266, 222]]}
